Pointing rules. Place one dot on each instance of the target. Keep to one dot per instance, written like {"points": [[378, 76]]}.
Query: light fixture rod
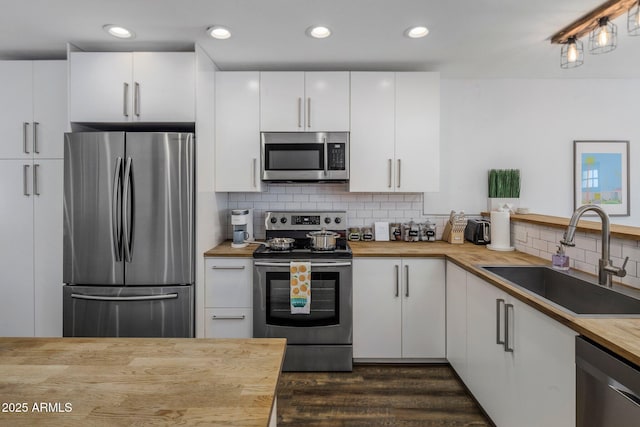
{"points": [[582, 26]]}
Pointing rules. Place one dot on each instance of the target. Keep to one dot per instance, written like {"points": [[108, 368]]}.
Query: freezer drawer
{"points": [[141, 311]]}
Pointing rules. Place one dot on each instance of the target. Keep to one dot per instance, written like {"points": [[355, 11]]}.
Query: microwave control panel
{"points": [[336, 155]]}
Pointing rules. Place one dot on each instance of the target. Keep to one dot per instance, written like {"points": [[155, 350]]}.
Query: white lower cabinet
{"points": [[398, 308], [228, 297], [457, 318], [520, 362]]}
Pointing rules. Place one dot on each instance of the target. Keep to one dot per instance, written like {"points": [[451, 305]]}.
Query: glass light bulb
{"points": [[603, 36], [572, 53]]}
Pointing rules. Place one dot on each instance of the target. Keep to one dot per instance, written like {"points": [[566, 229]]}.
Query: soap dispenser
{"points": [[559, 260]]}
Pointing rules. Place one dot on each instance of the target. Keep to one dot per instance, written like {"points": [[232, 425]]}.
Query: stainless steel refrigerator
{"points": [[128, 234]]}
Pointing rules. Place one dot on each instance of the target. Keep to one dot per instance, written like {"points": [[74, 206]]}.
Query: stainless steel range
{"points": [[320, 340]]}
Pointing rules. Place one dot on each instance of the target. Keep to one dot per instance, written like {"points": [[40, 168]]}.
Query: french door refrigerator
{"points": [[128, 234]]}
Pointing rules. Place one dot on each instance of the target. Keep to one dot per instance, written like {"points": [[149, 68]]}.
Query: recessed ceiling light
{"points": [[219, 32], [416, 32], [118, 31], [318, 32]]}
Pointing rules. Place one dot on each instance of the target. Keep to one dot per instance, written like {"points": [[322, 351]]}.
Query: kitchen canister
{"points": [[500, 231], [367, 234], [354, 234], [427, 232], [395, 231]]}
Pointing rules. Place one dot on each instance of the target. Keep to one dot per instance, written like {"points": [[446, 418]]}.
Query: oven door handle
{"points": [[313, 264]]}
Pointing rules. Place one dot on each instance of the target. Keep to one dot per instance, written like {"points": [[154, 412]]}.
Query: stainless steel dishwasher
{"points": [[607, 387]]}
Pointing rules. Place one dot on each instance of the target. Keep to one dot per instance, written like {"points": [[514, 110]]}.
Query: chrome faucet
{"points": [[605, 267]]}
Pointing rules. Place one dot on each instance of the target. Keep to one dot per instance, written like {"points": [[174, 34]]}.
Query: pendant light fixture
{"points": [[571, 54], [633, 20], [604, 38]]}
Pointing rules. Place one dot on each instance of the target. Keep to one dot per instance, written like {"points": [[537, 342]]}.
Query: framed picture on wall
{"points": [[601, 175]]}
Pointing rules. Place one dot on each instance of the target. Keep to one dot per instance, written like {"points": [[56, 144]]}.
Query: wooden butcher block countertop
{"points": [[138, 381], [621, 335]]}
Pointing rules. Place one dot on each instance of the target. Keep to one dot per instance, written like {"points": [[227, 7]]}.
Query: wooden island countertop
{"points": [[138, 381]]}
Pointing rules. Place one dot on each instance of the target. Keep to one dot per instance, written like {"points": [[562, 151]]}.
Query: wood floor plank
{"points": [[377, 395]]}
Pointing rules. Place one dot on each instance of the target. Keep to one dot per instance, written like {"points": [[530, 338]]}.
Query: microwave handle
{"points": [[326, 155]]}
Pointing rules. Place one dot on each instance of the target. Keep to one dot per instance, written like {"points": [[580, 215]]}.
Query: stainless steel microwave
{"points": [[305, 156]]}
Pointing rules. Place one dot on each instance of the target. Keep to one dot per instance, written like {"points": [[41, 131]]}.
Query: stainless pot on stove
{"points": [[323, 240]]}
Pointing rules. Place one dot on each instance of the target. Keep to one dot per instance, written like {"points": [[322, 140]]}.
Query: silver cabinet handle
{"points": [[132, 298], [309, 112], [299, 112], [397, 281], [508, 342], [228, 267], [25, 179], [399, 174], [625, 392], [406, 279], [390, 172], [25, 148], [218, 317], [127, 229], [125, 100], [116, 215], [35, 138], [254, 172], [499, 304], [36, 192], [136, 99]]}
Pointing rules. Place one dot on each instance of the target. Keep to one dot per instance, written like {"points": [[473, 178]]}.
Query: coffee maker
{"points": [[242, 225]]}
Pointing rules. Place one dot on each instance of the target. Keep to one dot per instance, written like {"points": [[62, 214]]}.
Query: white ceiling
{"points": [[468, 38]]}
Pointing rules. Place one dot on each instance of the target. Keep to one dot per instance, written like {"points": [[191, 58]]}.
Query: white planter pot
{"points": [[495, 203]]}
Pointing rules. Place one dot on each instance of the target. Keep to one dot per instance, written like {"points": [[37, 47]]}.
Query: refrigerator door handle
{"points": [[132, 298], [116, 215], [127, 211]]}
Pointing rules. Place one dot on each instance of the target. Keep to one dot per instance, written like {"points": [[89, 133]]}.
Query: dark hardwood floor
{"points": [[377, 395]]}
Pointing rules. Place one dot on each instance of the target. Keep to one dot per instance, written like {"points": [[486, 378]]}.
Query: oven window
{"points": [[325, 305], [294, 156]]}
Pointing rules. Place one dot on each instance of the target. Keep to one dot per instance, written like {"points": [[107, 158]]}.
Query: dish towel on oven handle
{"points": [[300, 289]]}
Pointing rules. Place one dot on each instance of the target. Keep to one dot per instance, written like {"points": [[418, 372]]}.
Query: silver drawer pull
{"points": [[218, 317], [228, 267], [131, 298]]}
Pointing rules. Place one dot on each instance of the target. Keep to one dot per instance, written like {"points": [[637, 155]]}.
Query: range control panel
{"points": [[296, 220]]}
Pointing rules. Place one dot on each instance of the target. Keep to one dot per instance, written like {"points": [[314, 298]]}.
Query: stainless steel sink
{"points": [[571, 291]]}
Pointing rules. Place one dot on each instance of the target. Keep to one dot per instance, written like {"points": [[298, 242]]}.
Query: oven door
{"points": [[330, 320]]}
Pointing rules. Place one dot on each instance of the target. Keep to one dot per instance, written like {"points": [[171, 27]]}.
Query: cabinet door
{"points": [[47, 225], [229, 282], [164, 87], [417, 132], [457, 319], [377, 315], [327, 101], [100, 87], [49, 108], [17, 109], [229, 323], [487, 375], [237, 144], [544, 356], [372, 132], [282, 101], [16, 248], [423, 308]]}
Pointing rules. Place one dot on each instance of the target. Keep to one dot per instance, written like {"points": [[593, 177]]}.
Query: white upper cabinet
{"points": [[372, 131], [395, 132], [132, 87], [417, 132], [299, 101], [33, 99], [237, 111]]}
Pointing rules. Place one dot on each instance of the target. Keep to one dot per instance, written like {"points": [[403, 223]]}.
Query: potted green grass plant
{"points": [[504, 189]]}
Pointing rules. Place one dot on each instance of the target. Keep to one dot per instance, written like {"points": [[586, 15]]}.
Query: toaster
{"points": [[478, 231]]}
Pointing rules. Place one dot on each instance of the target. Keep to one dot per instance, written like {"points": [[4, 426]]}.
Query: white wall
{"points": [[530, 125]]}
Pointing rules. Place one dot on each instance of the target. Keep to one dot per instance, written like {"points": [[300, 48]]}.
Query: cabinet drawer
{"points": [[228, 282], [229, 323]]}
